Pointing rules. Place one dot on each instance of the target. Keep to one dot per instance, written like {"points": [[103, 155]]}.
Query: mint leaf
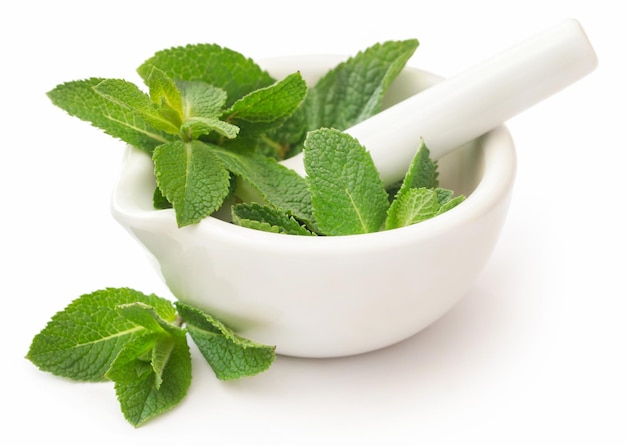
{"points": [[444, 207], [192, 178], [82, 341], [201, 99], [229, 355], [269, 106], [274, 183], [79, 99], [194, 128], [212, 64], [347, 194], [128, 95], [165, 94], [265, 218], [152, 374], [412, 206], [422, 171], [354, 90]]}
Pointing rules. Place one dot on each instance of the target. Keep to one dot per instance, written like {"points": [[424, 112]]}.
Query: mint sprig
{"points": [[139, 342], [201, 98]]}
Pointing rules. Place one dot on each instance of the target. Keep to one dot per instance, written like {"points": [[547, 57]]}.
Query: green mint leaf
{"points": [[127, 94], [347, 194], [152, 375], [79, 99], [270, 106], [202, 104], [165, 94], [451, 204], [201, 99], [270, 181], [444, 195], [229, 355], [145, 315], [422, 171], [215, 65], [194, 128], [412, 206], [81, 341], [192, 178], [268, 219], [354, 90]]}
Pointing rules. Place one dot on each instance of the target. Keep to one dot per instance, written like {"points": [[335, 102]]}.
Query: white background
{"points": [[534, 354]]}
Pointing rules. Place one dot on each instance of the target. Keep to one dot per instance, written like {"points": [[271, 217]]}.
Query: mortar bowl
{"points": [[321, 297]]}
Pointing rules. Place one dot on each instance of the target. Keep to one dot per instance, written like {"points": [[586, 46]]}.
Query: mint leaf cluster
{"points": [[139, 342], [349, 197], [215, 123]]}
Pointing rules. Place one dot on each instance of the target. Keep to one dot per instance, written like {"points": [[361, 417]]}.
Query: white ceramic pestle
{"points": [[464, 107]]}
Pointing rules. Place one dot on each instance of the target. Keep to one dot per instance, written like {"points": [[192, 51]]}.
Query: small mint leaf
{"points": [[128, 95], [193, 128], [268, 219], [212, 64], [444, 195], [152, 375], [192, 178], [412, 206], [81, 341], [79, 99], [422, 171], [165, 94], [347, 194], [451, 204], [229, 355]]}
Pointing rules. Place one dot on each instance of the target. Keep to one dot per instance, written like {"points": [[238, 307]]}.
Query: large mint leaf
{"points": [[192, 178], [268, 219], [229, 355], [152, 375], [213, 64], [81, 341], [271, 182], [353, 90], [347, 194], [79, 99], [128, 95]]}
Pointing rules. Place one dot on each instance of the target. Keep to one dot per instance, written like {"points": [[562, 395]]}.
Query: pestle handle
{"points": [[461, 108]]}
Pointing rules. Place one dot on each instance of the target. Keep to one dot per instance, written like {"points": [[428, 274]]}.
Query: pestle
{"points": [[461, 108]]}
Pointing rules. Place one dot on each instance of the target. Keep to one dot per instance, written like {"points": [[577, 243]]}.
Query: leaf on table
{"points": [[81, 341], [152, 374], [229, 355]]}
